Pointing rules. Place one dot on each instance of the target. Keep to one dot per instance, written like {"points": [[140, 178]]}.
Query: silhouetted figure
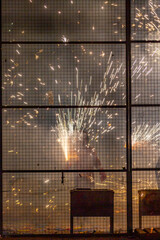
{"points": [[83, 157]]}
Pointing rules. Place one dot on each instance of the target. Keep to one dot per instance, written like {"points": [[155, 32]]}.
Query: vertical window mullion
{"points": [[128, 116]]}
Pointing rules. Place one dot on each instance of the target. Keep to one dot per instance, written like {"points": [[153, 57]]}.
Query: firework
{"points": [[144, 133]]}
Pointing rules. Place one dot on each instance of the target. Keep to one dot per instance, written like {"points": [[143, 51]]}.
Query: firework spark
{"points": [[146, 134]]}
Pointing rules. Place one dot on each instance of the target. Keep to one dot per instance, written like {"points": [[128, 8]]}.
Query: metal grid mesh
{"points": [[145, 73], [63, 20], [40, 203], [145, 140], [35, 139], [76, 74], [144, 180], [145, 20]]}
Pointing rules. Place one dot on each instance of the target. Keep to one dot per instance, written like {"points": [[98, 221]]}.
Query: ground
{"points": [[147, 237]]}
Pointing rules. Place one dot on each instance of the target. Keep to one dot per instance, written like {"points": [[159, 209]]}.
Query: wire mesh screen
{"points": [[145, 73], [145, 20], [145, 137], [61, 20], [66, 89], [144, 180], [40, 203], [44, 139], [79, 74]]}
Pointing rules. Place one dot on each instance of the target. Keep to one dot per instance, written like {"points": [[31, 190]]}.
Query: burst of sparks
{"points": [[144, 133], [81, 119]]}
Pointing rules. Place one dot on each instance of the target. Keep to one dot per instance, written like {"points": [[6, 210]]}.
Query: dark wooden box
{"points": [[149, 204], [92, 203]]}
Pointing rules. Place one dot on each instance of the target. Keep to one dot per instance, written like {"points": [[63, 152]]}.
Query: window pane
{"points": [[144, 180], [63, 20], [145, 20], [145, 137], [40, 203], [76, 74], [145, 73], [77, 138]]}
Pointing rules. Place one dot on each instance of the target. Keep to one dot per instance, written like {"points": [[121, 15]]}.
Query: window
{"points": [[80, 109]]}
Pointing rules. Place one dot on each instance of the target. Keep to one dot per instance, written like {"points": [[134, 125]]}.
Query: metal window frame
{"points": [[128, 42]]}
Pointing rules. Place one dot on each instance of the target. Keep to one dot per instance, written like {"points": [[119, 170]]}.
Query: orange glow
{"points": [[137, 145], [72, 156]]}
